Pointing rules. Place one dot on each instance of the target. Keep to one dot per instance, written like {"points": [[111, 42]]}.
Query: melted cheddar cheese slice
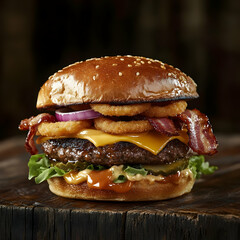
{"points": [[152, 141]]}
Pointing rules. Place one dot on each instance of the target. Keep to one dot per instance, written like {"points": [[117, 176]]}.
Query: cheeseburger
{"points": [[119, 130]]}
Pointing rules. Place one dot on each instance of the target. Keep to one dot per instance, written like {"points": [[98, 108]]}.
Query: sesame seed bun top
{"points": [[119, 80]]}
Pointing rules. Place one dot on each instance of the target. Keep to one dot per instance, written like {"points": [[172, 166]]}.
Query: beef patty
{"points": [[75, 149]]}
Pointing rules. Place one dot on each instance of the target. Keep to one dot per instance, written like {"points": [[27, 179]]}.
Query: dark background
{"points": [[201, 37]]}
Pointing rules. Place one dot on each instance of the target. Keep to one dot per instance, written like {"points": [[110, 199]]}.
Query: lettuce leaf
{"points": [[39, 167], [198, 166]]}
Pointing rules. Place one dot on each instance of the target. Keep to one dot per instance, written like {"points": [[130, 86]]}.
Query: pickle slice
{"points": [[71, 166], [167, 169]]}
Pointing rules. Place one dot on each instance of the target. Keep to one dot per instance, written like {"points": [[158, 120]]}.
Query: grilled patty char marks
{"points": [[75, 149]]}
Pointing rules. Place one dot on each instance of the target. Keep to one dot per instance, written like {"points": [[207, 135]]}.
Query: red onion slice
{"points": [[65, 114]]}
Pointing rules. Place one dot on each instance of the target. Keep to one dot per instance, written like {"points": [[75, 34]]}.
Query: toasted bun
{"points": [[140, 191], [120, 79]]}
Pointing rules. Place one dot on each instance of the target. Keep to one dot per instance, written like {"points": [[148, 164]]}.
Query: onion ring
{"points": [[124, 110], [170, 110], [59, 129], [122, 127]]}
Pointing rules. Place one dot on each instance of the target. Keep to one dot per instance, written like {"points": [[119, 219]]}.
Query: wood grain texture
{"points": [[30, 211]]}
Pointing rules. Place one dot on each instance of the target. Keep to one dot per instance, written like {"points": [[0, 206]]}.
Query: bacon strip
{"points": [[201, 137], [164, 126], [32, 124]]}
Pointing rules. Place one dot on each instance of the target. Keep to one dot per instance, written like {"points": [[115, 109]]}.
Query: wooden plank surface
{"points": [[30, 211]]}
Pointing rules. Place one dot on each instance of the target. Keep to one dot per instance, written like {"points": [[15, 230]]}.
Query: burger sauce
{"points": [[103, 180]]}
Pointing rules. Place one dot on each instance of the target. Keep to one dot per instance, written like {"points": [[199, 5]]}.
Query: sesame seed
{"points": [[169, 74], [138, 64], [163, 67], [149, 62], [120, 74], [114, 64], [65, 76], [122, 59], [182, 78], [71, 65], [142, 62], [137, 73], [138, 59], [97, 66], [129, 65], [94, 78]]}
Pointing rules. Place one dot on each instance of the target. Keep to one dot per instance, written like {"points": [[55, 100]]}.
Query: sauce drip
{"points": [[173, 178], [74, 177], [103, 180]]}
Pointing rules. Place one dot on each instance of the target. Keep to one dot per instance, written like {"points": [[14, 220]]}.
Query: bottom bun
{"points": [[141, 190]]}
